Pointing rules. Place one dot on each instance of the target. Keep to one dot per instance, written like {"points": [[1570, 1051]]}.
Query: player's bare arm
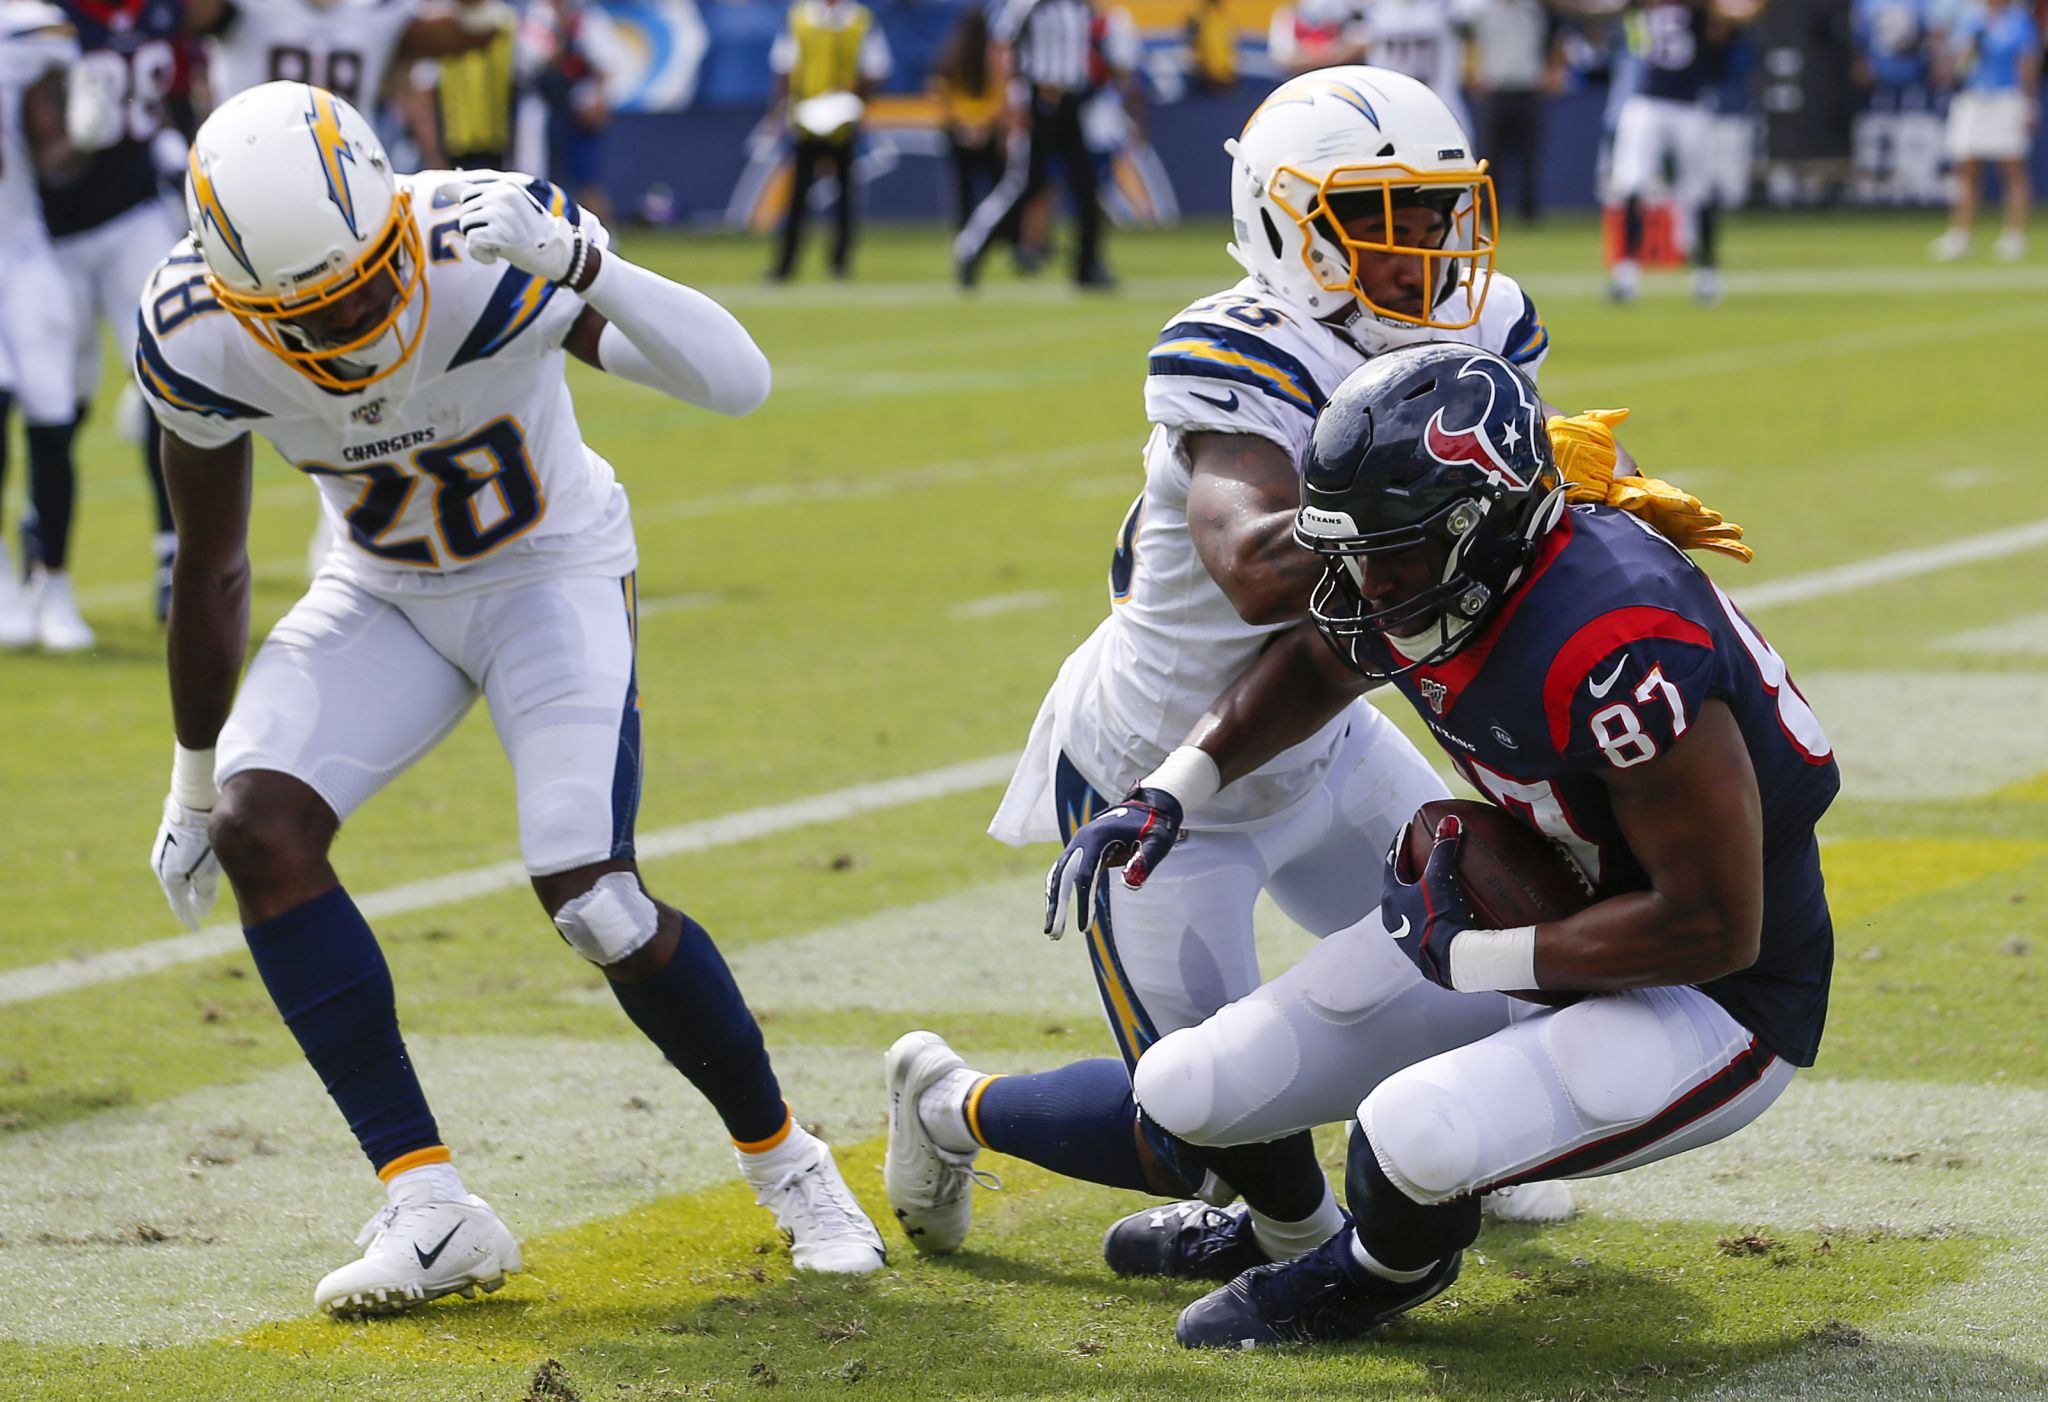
{"points": [[1293, 690], [58, 159], [208, 632], [1694, 823], [1243, 492]]}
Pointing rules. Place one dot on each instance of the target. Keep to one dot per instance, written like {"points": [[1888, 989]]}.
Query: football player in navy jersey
{"points": [[1584, 674], [1681, 50]]}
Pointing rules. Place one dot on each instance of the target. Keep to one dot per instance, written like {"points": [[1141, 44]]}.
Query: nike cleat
{"points": [[1185, 1240], [1323, 1297], [419, 1249], [930, 1188], [827, 1230]]}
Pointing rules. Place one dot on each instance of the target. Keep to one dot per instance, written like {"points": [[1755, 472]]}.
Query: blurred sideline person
{"points": [[827, 64], [1205, 572], [401, 339], [571, 84], [1044, 55], [1314, 34], [970, 104], [1212, 47], [1517, 68], [473, 97], [38, 44], [1994, 51], [1424, 39], [1681, 48]]}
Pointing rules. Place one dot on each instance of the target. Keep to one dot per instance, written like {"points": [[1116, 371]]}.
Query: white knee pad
{"points": [[610, 921], [1428, 1137], [1175, 1084], [1613, 1057]]}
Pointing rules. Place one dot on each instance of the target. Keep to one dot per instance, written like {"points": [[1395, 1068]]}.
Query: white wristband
{"points": [[1503, 961], [1189, 774], [192, 778]]}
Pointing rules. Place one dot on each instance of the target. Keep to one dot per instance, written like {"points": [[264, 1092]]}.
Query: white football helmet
{"points": [[1336, 144], [293, 204]]}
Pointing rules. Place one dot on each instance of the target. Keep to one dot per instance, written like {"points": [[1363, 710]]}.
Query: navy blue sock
{"points": [[693, 1011], [1075, 1121], [1399, 1232], [328, 977], [1281, 1178], [53, 486]]}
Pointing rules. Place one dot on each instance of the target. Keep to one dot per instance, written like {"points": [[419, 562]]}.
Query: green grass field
{"points": [[873, 580]]}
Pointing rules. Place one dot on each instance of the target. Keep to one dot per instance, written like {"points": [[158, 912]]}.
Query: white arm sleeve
{"points": [[675, 339]]}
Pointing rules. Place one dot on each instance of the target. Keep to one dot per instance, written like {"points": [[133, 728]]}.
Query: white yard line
{"points": [[993, 604], [63, 976]]}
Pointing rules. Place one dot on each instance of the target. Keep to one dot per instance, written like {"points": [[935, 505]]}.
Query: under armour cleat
{"points": [[1185, 1240], [419, 1249], [1531, 1202], [930, 1188], [1322, 1297], [826, 1229]]}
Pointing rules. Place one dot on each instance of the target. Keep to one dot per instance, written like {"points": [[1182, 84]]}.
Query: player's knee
{"points": [[1613, 1057], [1427, 1136], [611, 922], [265, 832], [1175, 1084]]}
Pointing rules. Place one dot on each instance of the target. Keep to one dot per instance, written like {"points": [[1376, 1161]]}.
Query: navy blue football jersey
{"points": [[1601, 659], [135, 41], [1679, 60]]}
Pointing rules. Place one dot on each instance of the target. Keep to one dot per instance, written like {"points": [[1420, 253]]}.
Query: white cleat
{"points": [[421, 1248], [1952, 244], [930, 1188], [800, 1184], [1624, 282], [2011, 246], [1706, 286], [59, 626], [1531, 1202]]}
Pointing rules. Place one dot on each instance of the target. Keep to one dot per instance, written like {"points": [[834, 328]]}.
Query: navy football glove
{"points": [[1136, 835], [1426, 914]]}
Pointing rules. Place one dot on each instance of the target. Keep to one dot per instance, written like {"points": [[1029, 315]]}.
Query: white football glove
{"points": [[185, 864], [95, 106], [501, 219]]}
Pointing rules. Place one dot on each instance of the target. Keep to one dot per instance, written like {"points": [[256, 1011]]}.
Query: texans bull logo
{"points": [[1511, 417]]}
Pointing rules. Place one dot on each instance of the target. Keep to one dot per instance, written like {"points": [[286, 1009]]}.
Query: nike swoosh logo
{"points": [[1600, 689], [1402, 933], [427, 1258], [1228, 403]]}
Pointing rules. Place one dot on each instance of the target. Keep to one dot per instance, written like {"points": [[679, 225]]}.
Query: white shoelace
{"points": [[804, 1194]]}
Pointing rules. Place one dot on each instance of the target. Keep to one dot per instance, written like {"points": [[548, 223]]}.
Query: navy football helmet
{"points": [[1433, 444]]}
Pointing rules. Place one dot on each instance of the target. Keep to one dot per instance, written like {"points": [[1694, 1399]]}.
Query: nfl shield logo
{"points": [[1435, 693]]}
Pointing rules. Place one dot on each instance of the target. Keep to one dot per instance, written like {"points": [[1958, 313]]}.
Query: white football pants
{"points": [[36, 332], [349, 690], [106, 269]]}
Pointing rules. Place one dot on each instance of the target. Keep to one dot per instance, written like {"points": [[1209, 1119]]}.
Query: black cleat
{"points": [[1185, 1240], [1323, 1297]]}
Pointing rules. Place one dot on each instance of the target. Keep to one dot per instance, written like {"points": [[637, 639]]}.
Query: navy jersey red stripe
{"points": [[138, 42], [1601, 659]]}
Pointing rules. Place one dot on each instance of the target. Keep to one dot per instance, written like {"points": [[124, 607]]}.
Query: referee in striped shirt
{"points": [[1044, 56]]}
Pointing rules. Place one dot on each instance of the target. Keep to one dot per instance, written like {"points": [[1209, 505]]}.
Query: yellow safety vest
{"points": [[476, 98], [827, 55]]}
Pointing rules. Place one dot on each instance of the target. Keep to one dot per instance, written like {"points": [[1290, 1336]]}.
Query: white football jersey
{"points": [[1239, 362], [34, 39], [464, 468], [1419, 38], [344, 46]]}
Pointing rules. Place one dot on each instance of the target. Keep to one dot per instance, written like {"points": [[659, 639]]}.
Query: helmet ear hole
{"points": [[1272, 231]]}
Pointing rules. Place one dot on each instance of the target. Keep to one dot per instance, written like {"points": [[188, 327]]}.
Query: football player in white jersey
{"points": [[1363, 222], [1424, 39], [401, 339], [344, 46], [37, 45]]}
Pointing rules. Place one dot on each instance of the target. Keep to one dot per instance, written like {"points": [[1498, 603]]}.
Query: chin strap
{"points": [[1585, 450]]}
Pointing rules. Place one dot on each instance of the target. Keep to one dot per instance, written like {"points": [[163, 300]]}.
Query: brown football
{"points": [[1512, 874]]}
